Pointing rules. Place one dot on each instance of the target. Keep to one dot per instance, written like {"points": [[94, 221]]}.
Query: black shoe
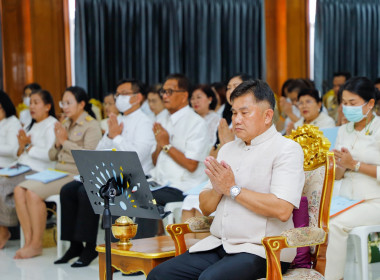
{"points": [[85, 258], [74, 251], [133, 274]]}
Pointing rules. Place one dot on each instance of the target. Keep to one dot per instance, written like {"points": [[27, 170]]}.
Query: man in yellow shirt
{"points": [[330, 99]]}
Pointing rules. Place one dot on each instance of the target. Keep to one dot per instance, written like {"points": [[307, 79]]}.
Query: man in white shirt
{"points": [[133, 130], [254, 186], [182, 145]]}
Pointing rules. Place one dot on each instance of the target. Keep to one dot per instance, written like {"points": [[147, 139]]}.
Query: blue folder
{"points": [[46, 176], [14, 170]]}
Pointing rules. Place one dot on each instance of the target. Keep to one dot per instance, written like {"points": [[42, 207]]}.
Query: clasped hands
{"points": [[60, 134], [220, 174], [285, 106], [343, 159], [23, 139], [114, 128], [161, 135]]}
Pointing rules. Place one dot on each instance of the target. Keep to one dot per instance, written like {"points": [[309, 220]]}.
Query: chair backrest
{"points": [[319, 166]]}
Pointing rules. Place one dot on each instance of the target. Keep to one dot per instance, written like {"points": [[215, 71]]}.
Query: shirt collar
{"points": [[81, 118], [131, 115], [263, 137], [179, 114]]}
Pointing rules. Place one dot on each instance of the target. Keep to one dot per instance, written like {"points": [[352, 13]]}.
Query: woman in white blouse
{"points": [[203, 101], [33, 145], [310, 106], [9, 127], [357, 154]]}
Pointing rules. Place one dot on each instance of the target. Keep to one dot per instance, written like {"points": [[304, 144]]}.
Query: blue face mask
{"points": [[354, 113]]}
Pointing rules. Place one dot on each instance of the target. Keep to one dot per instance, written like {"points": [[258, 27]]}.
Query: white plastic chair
{"points": [[56, 200], [175, 216], [361, 247]]}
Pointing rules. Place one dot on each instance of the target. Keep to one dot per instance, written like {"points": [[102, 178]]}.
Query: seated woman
{"points": [[9, 127], [310, 106], [32, 150], [203, 101], [156, 104], [78, 131], [108, 108], [357, 154]]}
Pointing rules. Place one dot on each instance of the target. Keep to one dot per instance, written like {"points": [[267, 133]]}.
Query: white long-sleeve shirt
{"points": [[137, 136], [9, 128], [43, 137]]}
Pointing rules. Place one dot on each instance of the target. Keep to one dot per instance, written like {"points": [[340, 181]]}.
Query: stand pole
{"points": [[107, 223]]}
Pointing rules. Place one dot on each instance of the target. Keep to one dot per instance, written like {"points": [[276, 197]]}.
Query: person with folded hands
{"points": [[78, 131], [31, 150]]}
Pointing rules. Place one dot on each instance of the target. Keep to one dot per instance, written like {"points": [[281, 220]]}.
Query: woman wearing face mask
{"points": [[357, 155], [32, 150], [23, 108], [78, 131]]}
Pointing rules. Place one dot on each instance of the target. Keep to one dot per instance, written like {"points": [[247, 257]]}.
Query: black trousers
{"points": [[79, 222], [212, 265], [148, 227]]}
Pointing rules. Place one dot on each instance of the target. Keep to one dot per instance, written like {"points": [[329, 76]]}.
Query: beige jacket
{"points": [[84, 134]]}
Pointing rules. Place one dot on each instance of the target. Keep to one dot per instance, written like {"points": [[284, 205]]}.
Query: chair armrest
{"points": [[296, 237], [305, 236], [178, 231], [200, 224]]}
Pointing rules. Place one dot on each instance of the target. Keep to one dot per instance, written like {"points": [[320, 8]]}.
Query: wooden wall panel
{"points": [[33, 46], [297, 39], [286, 41]]}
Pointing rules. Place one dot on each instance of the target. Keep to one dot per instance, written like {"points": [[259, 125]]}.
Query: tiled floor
{"points": [[42, 268]]}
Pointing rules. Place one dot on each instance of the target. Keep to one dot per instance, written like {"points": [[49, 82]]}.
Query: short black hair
{"points": [[377, 81], [361, 86], [243, 76], [310, 92], [7, 104], [347, 75], [285, 85], [137, 85], [108, 94], [209, 93], [183, 81], [258, 88], [300, 84], [33, 87]]}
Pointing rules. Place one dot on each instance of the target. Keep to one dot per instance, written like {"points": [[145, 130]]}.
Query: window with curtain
{"points": [[208, 40], [347, 38]]}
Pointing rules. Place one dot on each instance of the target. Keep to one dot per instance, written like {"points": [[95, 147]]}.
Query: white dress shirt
{"points": [[43, 137], [25, 117], [147, 111], [212, 120], [322, 121], [271, 164], [365, 147], [137, 136], [188, 134], [9, 128]]}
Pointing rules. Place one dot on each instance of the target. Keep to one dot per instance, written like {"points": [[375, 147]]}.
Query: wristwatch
{"points": [[357, 166], [235, 191], [166, 148], [26, 147]]}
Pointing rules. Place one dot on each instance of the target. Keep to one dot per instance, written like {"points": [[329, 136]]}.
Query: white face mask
{"points": [[26, 101], [122, 103]]}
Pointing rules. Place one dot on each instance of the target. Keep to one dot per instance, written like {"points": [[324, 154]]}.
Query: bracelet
{"points": [[357, 166]]}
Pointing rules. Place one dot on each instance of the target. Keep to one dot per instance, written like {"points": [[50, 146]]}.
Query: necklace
{"points": [[367, 126]]}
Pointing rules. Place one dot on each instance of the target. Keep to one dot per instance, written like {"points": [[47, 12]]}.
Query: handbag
{"points": [[374, 247], [50, 233]]}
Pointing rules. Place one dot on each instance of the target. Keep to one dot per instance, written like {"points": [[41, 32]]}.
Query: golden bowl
{"points": [[124, 230]]}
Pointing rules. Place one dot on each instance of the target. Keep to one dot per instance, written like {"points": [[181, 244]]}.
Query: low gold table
{"points": [[143, 255]]}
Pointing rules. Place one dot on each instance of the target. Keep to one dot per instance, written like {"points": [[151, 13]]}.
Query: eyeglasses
{"points": [[108, 104], [169, 91], [63, 104], [125, 93]]}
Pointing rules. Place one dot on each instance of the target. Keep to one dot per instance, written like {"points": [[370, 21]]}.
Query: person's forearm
{"points": [[262, 204], [339, 172], [293, 117], [208, 201], [181, 159], [155, 154], [368, 169]]}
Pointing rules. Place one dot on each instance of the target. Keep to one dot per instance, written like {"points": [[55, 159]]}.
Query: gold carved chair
{"points": [[319, 167]]}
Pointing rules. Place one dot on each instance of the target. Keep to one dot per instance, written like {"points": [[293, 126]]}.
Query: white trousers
{"points": [[363, 214]]}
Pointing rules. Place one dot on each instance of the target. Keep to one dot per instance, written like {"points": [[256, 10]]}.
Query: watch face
{"points": [[235, 191]]}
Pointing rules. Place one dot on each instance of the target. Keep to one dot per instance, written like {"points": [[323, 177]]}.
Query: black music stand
{"points": [[115, 181]]}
